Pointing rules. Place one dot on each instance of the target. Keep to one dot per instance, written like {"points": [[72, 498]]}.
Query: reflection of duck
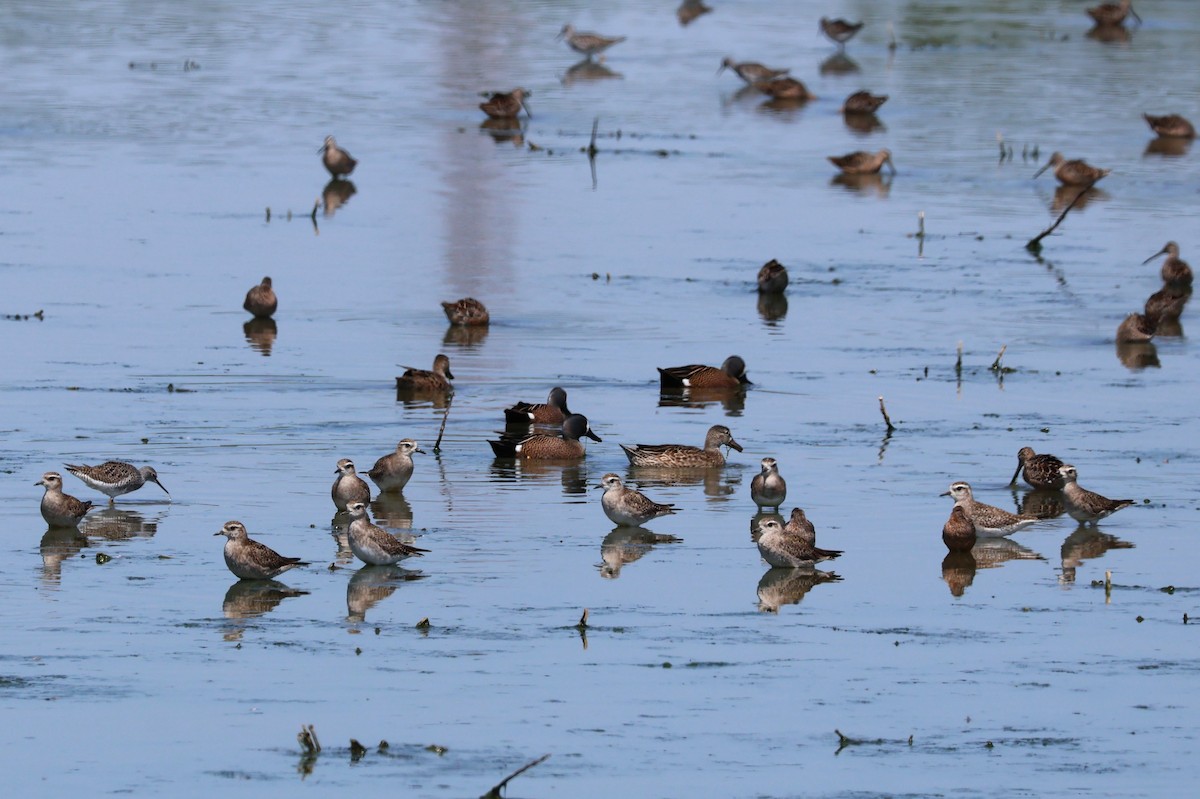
{"points": [[465, 337], [779, 587], [958, 570], [572, 476], [336, 194], [247, 599], [370, 585], [1137, 355], [260, 334], [1086, 543], [625, 545], [117, 523], [732, 400], [772, 308], [57, 545], [716, 482]]}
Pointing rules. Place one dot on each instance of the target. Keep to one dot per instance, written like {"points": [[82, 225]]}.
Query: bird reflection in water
{"points": [[958, 568], [370, 585], [1044, 503], [839, 64], [572, 475], [627, 544], [464, 336], [758, 518], [733, 400], [772, 308], [260, 333], [248, 599], [1086, 543], [1137, 355], [505, 130], [1110, 34], [863, 123], [391, 510], [588, 70], [336, 193], [779, 587], [1167, 146], [57, 545], [1065, 195], [717, 481], [873, 183], [115, 524]]}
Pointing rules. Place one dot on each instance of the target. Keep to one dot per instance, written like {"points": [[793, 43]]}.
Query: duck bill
{"points": [[592, 435], [734, 444], [1152, 257]]}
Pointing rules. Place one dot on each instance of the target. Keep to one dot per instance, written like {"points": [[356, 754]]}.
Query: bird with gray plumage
{"points": [[783, 549], [627, 507], [250, 560], [59, 509], [115, 478], [751, 71], [348, 486], [768, 489], [372, 544], [392, 471], [1087, 506], [989, 520]]}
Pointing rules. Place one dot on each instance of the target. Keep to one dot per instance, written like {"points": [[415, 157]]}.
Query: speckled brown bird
{"points": [[682, 456], [427, 380], [1171, 126], [785, 89], [958, 533], [1174, 269], [863, 163], [863, 103], [1087, 506], [1040, 471], [467, 312], [336, 160], [840, 30], [1074, 172], [261, 300], [772, 277], [250, 560], [1136, 327], [60, 509], [506, 105], [731, 375], [544, 447]]}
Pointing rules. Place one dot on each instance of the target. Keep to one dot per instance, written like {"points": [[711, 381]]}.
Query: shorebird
{"points": [[1040, 471], [839, 30], [348, 486], [1074, 172], [543, 447], [372, 544], [589, 44], [863, 163], [261, 300], [784, 89], [250, 560], [1174, 269], [786, 550], [1136, 327], [1113, 13], [59, 509], [425, 380], [752, 71], [336, 160], [393, 470], [768, 488], [1171, 126], [627, 507], [506, 105], [1087, 506], [552, 411], [772, 277], [863, 103], [1167, 304], [958, 532], [682, 456], [468, 312], [989, 521], [732, 374], [115, 478]]}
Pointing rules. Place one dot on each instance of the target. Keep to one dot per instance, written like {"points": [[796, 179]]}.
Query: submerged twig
{"points": [[995, 367], [494, 793], [437, 446], [1035, 244], [887, 419]]}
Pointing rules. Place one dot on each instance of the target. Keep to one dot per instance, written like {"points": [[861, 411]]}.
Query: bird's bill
{"points": [[1043, 169], [1152, 257], [891, 166], [592, 435], [163, 487], [944, 494], [735, 445], [525, 105], [1013, 481], [1134, 14]]}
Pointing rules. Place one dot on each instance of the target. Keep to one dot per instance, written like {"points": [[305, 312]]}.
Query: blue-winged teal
{"points": [[772, 277], [468, 312], [1074, 172], [751, 71], [115, 478], [839, 30], [393, 470], [1087, 506], [336, 160], [863, 103], [784, 89], [549, 448], [732, 374], [589, 44], [552, 411], [627, 507], [1171, 126], [682, 456], [1174, 269], [1113, 13], [372, 544], [261, 300], [958, 532], [1136, 327], [348, 486], [785, 550], [250, 560], [863, 163], [989, 520], [768, 488], [1040, 471], [506, 105], [425, 380], [59, 509]]}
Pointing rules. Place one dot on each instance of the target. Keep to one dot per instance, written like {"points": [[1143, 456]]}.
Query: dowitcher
{"points": [[506, 105], [1136, 327], [1174, 269], [372, 544], [1171, 126], [1040, 471], [1113, 13], [468, 312], [772, 277], [839, 30], [589, 44], [1084, 505], [958, 532], [989, 521], [863, 163], [437, 379], [59, 509], [393, 470], [250, 560], [751, 71], [115, 478], [627, 507], [682, 456], [1074, 172], [552, 411], [768, 489], [348, 486], [1167, 304], [783, 550], [863, 103], [731, 375], [336, 160], [784, 89], [543, 447], [261, 300]]}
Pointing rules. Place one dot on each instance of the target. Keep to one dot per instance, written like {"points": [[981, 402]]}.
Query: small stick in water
{"points": [[958, 362], [920, 224], [995, 367], [437, 446], [583, 620], [1035, 244], [494, 793], [308, 739], [591, 150], [887, 419]]}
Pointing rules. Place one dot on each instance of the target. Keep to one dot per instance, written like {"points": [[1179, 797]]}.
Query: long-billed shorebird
{"points": [[989, 520], [1174, 269], [589, 44], [1074, 172], [115, 478], [336, 160], [1040, 471], [863, 163]]}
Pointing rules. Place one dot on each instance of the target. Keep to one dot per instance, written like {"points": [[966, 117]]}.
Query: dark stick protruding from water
{"points": [[591, 150], [1035, 244], [494, 793], [308, 739], [995, 367], [437, 445], [583, 620], [958, 360], [891, 428]]}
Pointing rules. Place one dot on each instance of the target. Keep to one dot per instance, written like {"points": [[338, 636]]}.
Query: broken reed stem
{"points": [[887, 419], [494, 793], [958, 361], [308, 739], [583, 620], [591, 150], [920, 224], [995, 367], [1035, 244], [437, 447]]}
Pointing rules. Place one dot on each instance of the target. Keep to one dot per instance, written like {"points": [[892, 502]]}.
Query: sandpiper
{"points": [[627, 507], [1136, 327], [958, 532], [751, 71], [371, 543], [1113, 13], [784, 89], [1074, 172], [989, 521], [392, 471], [732, 374], [682, 456], [768, 488], [1167, 304], [506, 105], [1084, 505], [784, 550], [250, 560], [336, 160], [425, 380], [348, 486], [589, 44], [552, 411], [863, 163], [839, 30], [1174, 269], [863, 103], [1171, 126], [772, 277], [468, 312], [59, 509], [261, 300], [115, 478], [1040, 471], [543, 447]]}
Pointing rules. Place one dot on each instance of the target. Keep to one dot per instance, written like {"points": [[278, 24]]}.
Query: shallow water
{"points": [[136, 218]]}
